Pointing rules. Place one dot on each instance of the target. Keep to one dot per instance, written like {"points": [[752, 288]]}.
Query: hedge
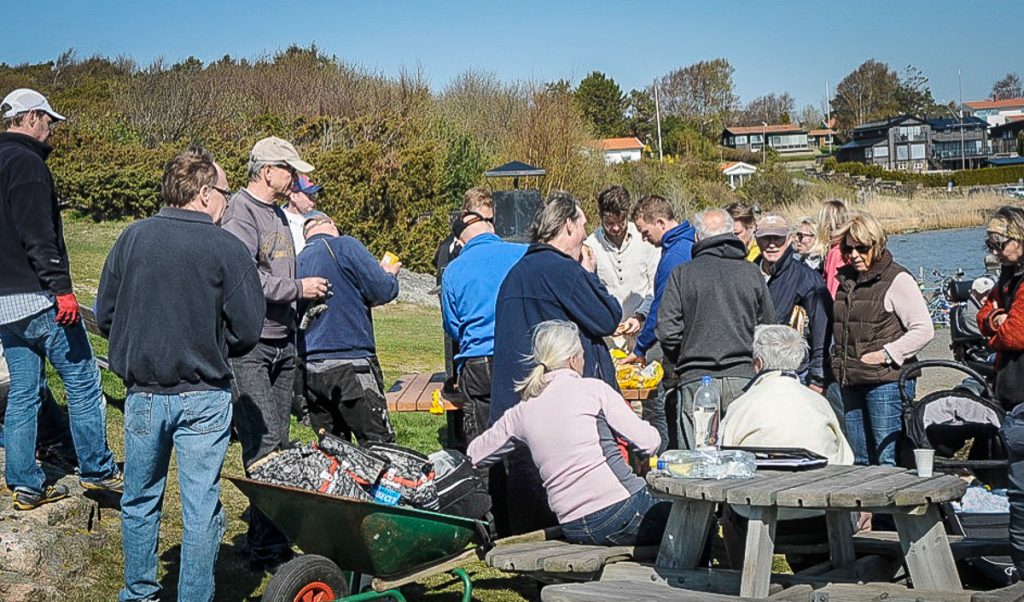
{"points": [[985, 176]]}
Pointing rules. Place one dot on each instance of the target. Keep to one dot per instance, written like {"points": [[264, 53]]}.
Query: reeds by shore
{"points": [[926, 211]]}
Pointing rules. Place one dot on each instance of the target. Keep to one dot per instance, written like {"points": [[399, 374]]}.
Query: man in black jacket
{"points": [[39, 316], [707, 317], [178, 296]]}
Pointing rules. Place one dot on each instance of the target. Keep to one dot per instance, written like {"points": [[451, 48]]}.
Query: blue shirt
{"points": [[469, 292], [676, 246]]}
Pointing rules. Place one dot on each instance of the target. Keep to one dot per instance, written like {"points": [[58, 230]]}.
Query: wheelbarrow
{"points": [[395, 544]]}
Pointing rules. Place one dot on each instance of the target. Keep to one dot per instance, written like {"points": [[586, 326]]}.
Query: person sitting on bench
{"points": [[569, 424]]}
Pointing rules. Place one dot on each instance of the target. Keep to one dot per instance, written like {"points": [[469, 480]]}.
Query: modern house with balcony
{"points": [[995, 111], [1003, 138], [959, 144], [782, 138], [900, 143]]}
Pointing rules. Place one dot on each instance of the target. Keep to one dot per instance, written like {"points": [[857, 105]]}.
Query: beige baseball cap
{"points": [[772, 225], [275, 150]]}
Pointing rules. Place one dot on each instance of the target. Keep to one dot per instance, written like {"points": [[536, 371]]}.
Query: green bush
{"points": [[986, 176]]}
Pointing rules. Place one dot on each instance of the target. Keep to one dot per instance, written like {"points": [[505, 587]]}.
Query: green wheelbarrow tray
{"points": [[366, 537]]}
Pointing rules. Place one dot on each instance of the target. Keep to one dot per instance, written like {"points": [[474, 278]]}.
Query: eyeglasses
{"points": [[770, 241], [995, 244], [802, 235], [847, 248], [223, 191]]}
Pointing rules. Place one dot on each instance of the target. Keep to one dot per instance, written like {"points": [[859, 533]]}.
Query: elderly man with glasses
{"points": [[265, 377]]}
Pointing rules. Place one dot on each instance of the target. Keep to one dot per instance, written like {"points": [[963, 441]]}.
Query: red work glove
{"points": [[67, 310]]}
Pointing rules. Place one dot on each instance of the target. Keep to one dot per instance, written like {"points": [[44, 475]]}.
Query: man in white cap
{"points": [[265, 377], [39, 316]]}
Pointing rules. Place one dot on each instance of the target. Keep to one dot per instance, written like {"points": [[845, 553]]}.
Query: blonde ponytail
{"points": [[555, 342]]}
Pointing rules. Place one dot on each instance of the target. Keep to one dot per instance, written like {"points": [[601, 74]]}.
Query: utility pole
{"points": [[764, 142], [963, 158], [657, 117], [828, 117]]}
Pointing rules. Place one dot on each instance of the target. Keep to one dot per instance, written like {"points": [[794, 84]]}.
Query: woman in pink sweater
{"points": [[570, 424]]}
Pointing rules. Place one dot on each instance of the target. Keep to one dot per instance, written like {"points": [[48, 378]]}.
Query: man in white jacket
{"points": [[625, 263]]}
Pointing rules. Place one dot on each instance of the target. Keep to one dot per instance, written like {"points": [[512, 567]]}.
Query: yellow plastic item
{"points": [[436, 407], [634, 376]]}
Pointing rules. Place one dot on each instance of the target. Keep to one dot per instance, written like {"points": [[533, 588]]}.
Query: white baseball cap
{"points": [[24, 100], [982, 285]]}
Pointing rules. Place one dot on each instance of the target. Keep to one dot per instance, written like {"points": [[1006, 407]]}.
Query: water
{"points": [[942, 250]]}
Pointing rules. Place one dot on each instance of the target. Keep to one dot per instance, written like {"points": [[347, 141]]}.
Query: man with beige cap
{"points": [[265, 376]]}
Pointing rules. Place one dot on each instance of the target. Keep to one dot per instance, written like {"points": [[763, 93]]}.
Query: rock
{"points": [[418, 289]]}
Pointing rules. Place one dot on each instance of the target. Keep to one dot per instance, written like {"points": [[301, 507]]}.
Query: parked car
{"points": [[1016, 191]]}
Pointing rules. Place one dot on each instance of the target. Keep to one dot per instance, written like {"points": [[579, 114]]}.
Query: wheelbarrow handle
{"points": [[913, 370]]}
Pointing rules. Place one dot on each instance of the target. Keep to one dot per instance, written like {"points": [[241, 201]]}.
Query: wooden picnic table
{"points": [[838, 490]]}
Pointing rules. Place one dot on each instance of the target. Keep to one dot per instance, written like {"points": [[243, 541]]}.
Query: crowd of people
{"points": [[225, 308]]}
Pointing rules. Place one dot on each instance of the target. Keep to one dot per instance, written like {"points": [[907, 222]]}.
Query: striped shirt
{"points": [[22, 305]]}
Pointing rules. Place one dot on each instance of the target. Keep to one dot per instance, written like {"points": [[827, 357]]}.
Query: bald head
{"points": [[712, 222]]}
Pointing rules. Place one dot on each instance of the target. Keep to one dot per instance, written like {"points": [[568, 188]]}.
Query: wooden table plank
{"points": [[707, 489], [757, 558], [426, 399], [840, 538], [872, 493], [762, 492], [815, 494], [685, 534], [936, 490], [926, 551]]}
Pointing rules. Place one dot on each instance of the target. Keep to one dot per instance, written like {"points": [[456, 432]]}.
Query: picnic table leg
{"points": [[926, 550], [685, 534], [840, 538], [757, 561]]}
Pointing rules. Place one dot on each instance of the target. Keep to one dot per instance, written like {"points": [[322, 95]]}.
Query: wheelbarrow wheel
{"points": [[307, 578]]}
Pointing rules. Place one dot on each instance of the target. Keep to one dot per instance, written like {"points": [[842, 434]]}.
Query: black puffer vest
{"points": [[862, 325], [1009, 364]]}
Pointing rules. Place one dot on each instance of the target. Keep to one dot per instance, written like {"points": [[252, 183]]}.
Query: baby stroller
{"points": [[947, 421]]}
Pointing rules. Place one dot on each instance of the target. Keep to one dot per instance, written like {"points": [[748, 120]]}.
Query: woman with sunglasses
{"points": [[806, 244], [881, 322], [1003, 323]]}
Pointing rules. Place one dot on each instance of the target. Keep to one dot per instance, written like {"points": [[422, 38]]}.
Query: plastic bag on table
{"points": [[705, 464], [634, 376]]}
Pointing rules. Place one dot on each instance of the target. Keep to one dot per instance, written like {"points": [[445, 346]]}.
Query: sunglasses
{"points": [[803, 235], [847, 248], [770, 241], [997, 244]]}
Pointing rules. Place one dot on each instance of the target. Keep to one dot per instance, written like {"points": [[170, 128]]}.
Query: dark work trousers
{"points": [[475, 386], [346, 399], [1012, 432], [262, 388], [655, 412]]}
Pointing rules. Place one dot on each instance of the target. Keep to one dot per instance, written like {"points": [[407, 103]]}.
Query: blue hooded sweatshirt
{"points": [[676, 247], [547, 284]]}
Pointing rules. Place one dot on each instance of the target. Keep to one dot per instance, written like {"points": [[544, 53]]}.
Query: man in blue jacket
{"points": [[343, 378], [798, 293], [469, 295], [655, 218], [555, 280]]}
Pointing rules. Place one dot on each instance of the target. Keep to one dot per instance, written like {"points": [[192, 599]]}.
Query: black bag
{"points": [[460, 491], [409, 473]]}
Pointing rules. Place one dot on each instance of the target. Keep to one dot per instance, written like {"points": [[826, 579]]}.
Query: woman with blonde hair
{"points": [[831, 216], [881, 323], [806, 243], [570, 424]]}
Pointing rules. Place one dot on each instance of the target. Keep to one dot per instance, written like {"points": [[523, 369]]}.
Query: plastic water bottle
{"points": [[705, 415]]}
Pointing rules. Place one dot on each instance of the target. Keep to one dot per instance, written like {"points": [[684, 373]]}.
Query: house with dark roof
{"points": [[996, 111], [1003, 138], [959, 143], [899, 143], [782, 138]]}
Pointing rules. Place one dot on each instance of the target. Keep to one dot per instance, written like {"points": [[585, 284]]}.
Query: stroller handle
{"points": [[908, 369]]}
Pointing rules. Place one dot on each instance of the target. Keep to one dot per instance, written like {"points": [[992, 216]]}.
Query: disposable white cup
{"points": [[925, 461]]}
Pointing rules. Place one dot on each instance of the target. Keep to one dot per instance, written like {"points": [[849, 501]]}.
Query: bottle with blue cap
{"points": [[706, 409]]}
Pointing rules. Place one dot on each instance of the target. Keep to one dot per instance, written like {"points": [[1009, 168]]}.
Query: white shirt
{"points": [[295, 222], [626, 271]]}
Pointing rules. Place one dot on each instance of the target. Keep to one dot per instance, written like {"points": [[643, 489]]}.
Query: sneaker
{"points": [[113, 484], [26, 499]]}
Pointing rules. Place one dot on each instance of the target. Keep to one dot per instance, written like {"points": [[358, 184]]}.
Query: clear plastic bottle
{"points": [[706, 404]]}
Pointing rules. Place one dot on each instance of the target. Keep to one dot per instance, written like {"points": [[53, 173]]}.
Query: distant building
{"points": [[900, 143], [996, 111], [737, 173], [950, 150], [821, 138], [782, 138], [619, 150], [1003, 138]]}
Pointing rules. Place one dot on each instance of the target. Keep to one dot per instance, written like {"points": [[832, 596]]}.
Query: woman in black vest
{"points": [[1002, 321], [881, 322]]}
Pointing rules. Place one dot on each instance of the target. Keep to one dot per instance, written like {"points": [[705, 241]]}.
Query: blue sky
{"points": [[775, 46]]}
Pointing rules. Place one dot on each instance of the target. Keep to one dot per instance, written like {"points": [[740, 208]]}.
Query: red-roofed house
{"points": [[995, 112], [619, 150], [738, 172], [782, 138]]}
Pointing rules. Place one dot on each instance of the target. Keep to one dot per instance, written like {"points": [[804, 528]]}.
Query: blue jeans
{"points": [[874, 409], [638, 520], [27, 344], [1012, 433], [197, 425]]}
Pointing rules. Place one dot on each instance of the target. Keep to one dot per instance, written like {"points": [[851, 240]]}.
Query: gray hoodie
{"points": [[263, 228]]}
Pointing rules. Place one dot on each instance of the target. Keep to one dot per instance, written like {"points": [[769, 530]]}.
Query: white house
{"points": [[737, 172], [619, 150], [995, 112]]}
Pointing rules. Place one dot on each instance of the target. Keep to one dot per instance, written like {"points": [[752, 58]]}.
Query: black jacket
{"points": [[177, 297], [33, 257], [794, 283], [709, 310]]}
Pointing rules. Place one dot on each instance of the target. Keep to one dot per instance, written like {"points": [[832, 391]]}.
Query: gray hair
{"points": [[705, 223], [779, 347], [555, 342], [550, 220], [256, 166]]}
